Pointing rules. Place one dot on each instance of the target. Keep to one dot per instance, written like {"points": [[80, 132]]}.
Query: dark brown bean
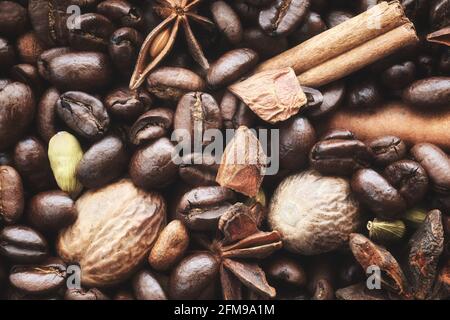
{"points": [[29, 75], [46, 120], [312, 26], [13, 18], [399, 75], [227, 21], [152, 125], [11, 195], [29, 48], [126, 104], [85, 294], [336, 17], [122, 12], [332, 97], [265, 45], [124, 47], [147, 287], [235, 113], [428, 93], [198, 169], [286, 271], [387, 149], [91, 33], [363, 94]]}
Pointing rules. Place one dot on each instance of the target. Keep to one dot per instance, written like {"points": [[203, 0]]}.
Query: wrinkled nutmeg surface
{"points": [[116, 228], [313, 213]]}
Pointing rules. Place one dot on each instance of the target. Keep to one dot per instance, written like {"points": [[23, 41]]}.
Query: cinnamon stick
{"points": [[359, 57], [352, 33]]}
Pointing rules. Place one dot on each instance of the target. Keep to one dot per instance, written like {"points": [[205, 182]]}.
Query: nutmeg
{"points": [[313, 213]]}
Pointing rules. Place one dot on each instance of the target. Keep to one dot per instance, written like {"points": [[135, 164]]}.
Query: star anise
{"points": [[238, 247], [159, 42]]}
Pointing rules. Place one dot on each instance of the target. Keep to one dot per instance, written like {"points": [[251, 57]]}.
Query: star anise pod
{"points": [[159, 42], [238, 248]]}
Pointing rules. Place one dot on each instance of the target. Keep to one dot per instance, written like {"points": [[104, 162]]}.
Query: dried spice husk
{"points": [[369, 254], [243, 163], [442, 285], [425, 248], [274, 95], [414, 217], [441, 36], [386, 230]]}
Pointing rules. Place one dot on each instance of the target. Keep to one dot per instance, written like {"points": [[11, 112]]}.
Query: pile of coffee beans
{"points": [[76, 141]]}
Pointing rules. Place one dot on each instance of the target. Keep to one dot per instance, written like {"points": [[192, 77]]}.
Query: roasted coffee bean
{"points": [[428, 93], [227, 21], [336, 17], [152, 166], [171, 83], [84, 294], [409, 178], [126, 104], [29, 75], [285, 271], [265, 45], [202, 207], [17, 106], [147, 287], [13, 18], [7, 54], [197, 112], [426, 65], [83, 113], [363, 94], [124, 47], [297, 137], [231, 66], [416, 9], [103, 162], [30, 158], [29, 48], [11, 195], [375, 192], [436, 163], [46, 121], [193, 275], [84, 71], [339, 156], [44, 59], [91, 32], [51, 211], [198, 169], [122, 12], [339, 134], [50, 20], [21, 244], [399, 76], [332, 97], [248, 13], [387, 149], [283, 17], [235, 113], [152, 125], [350, 272], [439, 14], [41, 279], [312, 26]]}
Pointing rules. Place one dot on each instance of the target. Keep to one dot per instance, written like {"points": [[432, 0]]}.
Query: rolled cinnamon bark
{"points": [[396, 119], [352, 33]]}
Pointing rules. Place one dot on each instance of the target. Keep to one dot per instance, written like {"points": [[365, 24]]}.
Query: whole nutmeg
{"points": [[116, 227], [170, 246], [311, 224]]}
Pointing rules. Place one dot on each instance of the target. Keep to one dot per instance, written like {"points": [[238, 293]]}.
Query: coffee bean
{"points": [[29, 75], [336, 17], [363, 94], [11, 195], [124, 45], [339, 134], [202, 207], [50, 211], [46, 120], [332, 97], [312, 26], [30, 158], [91, 32], [13, 18], [29, 48], [171, 83], [375, 192], [152, 125], [409, 178], [152, 166], [248, 13], [7, 54], [235, 113], [84, 71], [285, 271], [83, 113], [227, 21], [84, 294], [387, 149], [231, 66], [265, 45], [103, 162], [399, 76], [121, 12], [126, 104], [44, 59], [297, 137], [21, 244], [17, 106], [428, 93], [196, 113], [416, 9], [283, 17], [426, 65], [439, 14], [192, 276], [198, 169], [146, 287], [45, 278], [436, 164]]}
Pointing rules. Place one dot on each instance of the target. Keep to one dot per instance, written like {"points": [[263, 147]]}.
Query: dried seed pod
{"points": [[64, 154], [426, 246], [385, 230]]}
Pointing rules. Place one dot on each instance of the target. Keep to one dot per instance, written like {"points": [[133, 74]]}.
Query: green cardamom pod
{"points": [[64, 153], [414, 217], [385, 230]]}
